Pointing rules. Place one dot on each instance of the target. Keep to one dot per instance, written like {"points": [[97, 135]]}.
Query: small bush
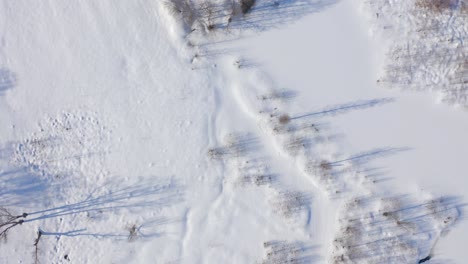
{"points": [[183, 10], [284, 119], [437, 5], [246, 5], [132, 233]]}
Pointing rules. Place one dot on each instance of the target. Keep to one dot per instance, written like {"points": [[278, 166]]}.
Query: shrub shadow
{"points": [[7, 80], [267, 14], [345, 108], [384, 229]]}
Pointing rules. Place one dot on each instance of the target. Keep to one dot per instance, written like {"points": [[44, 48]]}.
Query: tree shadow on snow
{"points": [[227, 21], [345, 108], [294, 252], [20, 187], [7, 80], [24, 186], [145, 195], [28, 178], [267, 14], [147, 230], [395, 229], [365, 157], [362, 161]]}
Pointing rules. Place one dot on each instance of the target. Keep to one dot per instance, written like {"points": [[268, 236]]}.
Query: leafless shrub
{"points": [[132, 233], [295, 144], [321, 170], [282, 129], [290, 203], [437, 5], [263, 179], [460, 76], [443, 211], [184, 10], [284, 119], [36, 247], [431, 56], [204, 16], [207, 12], [279, 252], [235, 145], [258, 179], [390, 208], [8, 221], [246, 5], [277, 95], [391, 229], [302, 127], [217, 153], [325, 165]]}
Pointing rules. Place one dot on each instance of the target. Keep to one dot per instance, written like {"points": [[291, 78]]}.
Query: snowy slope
{"points": [[141, 132], [107, 125]]}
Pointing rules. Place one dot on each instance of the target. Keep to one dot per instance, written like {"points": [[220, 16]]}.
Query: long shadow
{"points": [[294, 252], [143, 231], [7, 80], [383, 229], [20, 186], [142, 195], [366, 157], [24, 186], [267, 14], [335, 172], [236, 144], [226, 18], [25, 178], [347, 107]]}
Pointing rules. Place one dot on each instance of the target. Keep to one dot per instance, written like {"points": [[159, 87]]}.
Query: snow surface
{"points": [[133, 133]]}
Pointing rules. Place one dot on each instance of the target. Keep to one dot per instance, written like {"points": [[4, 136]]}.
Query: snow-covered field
{"points": [[224, 131]]}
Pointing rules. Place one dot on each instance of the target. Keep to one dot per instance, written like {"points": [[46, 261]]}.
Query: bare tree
{"points": [[36, 247], [8, 221]]}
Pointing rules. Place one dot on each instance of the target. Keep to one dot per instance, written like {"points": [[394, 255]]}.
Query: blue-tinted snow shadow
{"points": [[345, 108], [280, 251], [227, 21], [383, 228], [145, 195], [356, 164], [25, 186], [7, 80], [25, 180], [365, 157], [152, 228], [22, 185], [268, 14]]}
